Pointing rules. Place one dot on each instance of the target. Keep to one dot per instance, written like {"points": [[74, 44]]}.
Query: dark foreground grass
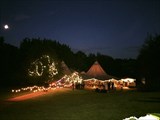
{"points": [[65, 104]]}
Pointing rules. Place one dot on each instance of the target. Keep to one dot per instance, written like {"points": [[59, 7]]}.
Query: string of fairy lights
{"points": [[45, 63], [65, 81], [34, 89], [74, 77], [39, 65]]}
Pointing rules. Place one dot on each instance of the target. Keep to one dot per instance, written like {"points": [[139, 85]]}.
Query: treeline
{"points": [[15, 61]]}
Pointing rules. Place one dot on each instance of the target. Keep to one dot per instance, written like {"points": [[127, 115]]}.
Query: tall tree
{"points": [[80, 61], [9, 63], [149, 61]]}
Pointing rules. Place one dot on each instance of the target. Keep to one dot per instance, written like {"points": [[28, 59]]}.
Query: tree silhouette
{"points": [[80, 61], [149, 62], [9, 63]]}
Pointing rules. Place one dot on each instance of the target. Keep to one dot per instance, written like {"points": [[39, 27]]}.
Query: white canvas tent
{"points": [[96, 76], [128, 82]]}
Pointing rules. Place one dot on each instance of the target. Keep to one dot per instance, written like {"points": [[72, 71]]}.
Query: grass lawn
{"points": [[65, 104]]}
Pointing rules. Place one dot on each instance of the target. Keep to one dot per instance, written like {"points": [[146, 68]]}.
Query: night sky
{"points": [[110, 27]]}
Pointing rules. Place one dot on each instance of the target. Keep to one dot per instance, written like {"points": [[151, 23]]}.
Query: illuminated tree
{"points": [[74, 77], [43, 68]]}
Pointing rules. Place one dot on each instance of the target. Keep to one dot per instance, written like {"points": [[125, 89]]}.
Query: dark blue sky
{"points": [[116, 28]]}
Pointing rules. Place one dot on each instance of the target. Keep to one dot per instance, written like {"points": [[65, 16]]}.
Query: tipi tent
{"points": [[96, 71], [65, 68]]}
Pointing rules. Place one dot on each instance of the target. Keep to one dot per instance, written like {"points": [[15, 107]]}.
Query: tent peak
{"points": [[96, 71], [96, 62]]}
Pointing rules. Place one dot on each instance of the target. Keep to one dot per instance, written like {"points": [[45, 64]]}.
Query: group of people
{"points": [[109, 85], [77, 85], [100, 87], [104, 87]]}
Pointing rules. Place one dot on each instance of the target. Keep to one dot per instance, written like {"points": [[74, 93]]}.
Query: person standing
{"points": [[112, 85], [73, 86], [109, 85], [106, 86]]}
